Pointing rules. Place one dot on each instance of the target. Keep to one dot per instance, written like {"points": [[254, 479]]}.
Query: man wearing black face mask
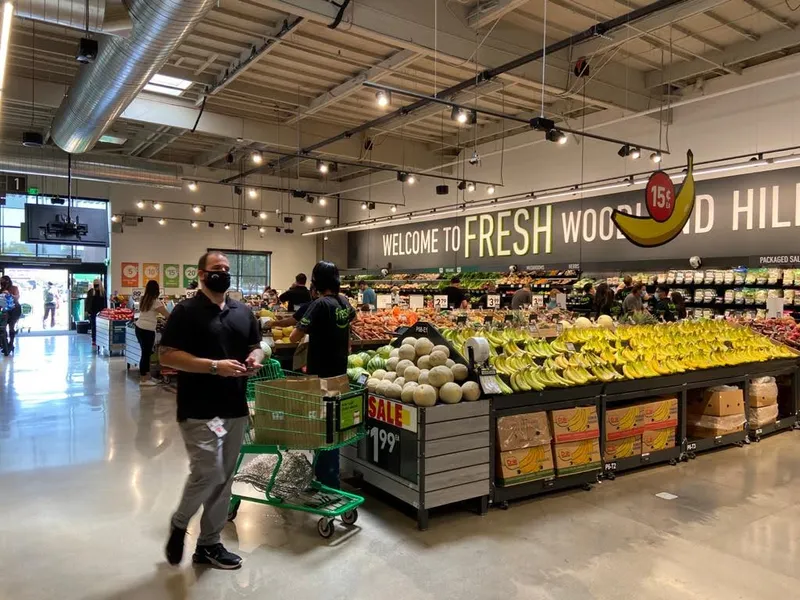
{"points": [[214, 344]]}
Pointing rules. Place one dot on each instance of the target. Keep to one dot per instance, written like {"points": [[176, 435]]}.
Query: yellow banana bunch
{"points": [[629, 419], [662, 412], [583, 454], [579, 421]]}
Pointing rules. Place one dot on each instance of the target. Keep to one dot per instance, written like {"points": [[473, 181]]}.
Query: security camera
{"points": [[512, 269], [695, 262], [384, 272], [475, 159]]}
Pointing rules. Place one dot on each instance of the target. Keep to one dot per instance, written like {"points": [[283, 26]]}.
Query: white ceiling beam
{"points": [[733, 55], [409, 24], [397, 61], [785, 23], [484, 14], [208, 62]]}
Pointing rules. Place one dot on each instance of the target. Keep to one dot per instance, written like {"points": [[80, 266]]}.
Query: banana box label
{"points": [[623, 422], [654, 440], [623, 448], [572, 424], [576, 457], [660, 413], [526, 464], [668, 211]]}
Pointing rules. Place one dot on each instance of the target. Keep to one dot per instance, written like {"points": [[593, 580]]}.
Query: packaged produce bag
{"points": [[705, 426], [763, 392]]}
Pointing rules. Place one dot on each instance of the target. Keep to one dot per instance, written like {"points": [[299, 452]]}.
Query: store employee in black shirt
{"points": [[214, 344], [297, 294], [327, 323], [456, 298]]}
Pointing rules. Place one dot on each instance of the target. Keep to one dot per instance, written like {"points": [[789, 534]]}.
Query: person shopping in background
{"points": [[552, 302], [633, 301], [214, 343], [327, 323], [522, 297], [663, 308], [50, 298], [603, 300], [297, 294], [95, 302], [368, 295], [149, 309], [7, 286], [456, 298], [6, 305], [680, 304]]}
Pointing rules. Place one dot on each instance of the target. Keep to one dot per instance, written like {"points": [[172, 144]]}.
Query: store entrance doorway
{"points": [[44, 297]]}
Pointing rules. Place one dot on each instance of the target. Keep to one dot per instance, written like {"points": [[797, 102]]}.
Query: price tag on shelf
{"points": [[416, 301], [508, 318], [493, 301], [537, 301], [461, 319], [487, 319], [384, 300], [440, 301], [571, 347]]}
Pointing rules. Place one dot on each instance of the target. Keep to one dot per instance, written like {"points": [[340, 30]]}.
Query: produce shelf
{"points": [[671, 455], [696, 445], [781, 424], [574, 396], [503, 495]]}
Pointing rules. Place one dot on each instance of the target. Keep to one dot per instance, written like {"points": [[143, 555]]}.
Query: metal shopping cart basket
{"points": [[286, 419]]}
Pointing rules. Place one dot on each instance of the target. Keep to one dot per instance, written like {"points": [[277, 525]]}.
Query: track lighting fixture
{"points": [[256, 157], [277, 230], [383, 98], [371, 206], [115, 218], [194, 224], [252, 192], [328, 221], [463, 116], [656, 157], [244, 227], [411, 180], [629, 151], [323, 201], [322, 167], [325, 239], [192, 186], [140, 204], [254, 213], [227, 227], [157, 205], [393, 209], [363, 206], [470, 187], [162, 221], [490, 189], [262, 215], [210, 225], [309, 219], [262, 229], [302, 218], [197, 209], [554, 135]]}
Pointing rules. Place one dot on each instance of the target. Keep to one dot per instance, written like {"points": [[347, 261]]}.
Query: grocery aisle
{"points": [[91, 467]]}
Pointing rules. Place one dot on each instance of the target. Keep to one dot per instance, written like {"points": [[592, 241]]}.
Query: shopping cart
{"points": [[283, 419]]}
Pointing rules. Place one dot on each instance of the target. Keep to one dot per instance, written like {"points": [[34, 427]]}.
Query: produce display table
{"points": [[111, 335], [426, 457]]}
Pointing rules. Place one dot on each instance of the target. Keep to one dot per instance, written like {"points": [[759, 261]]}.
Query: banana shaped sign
{"points": [[668, 212]]}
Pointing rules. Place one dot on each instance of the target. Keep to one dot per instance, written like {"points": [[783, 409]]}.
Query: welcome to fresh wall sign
{"points": [[746, 215]]}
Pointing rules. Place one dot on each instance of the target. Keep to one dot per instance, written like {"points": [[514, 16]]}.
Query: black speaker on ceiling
{"points": [[442, 190], [87, 51], [32, 139]]}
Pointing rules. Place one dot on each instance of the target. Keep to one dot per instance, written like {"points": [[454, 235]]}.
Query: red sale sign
{"points": [[392, 413]]}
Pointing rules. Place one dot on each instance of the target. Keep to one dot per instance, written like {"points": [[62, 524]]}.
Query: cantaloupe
{"points": [[605, 321], [394, 353], [407, 395], [423, 346], [401, 367], [424, 395], [390, 376], [460, 372], [582, 323], [441, 348], [411, 373], [393, 391], [423, 376], [437, 358], [410, 341], [424, 362], [470, 391], [440, 375], [400, 381], [378, 373], [372, 384], [406, 352], [450, 393], [391, 364], [449, 363]]}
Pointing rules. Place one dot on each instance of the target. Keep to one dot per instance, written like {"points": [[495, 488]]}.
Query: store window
{"points": [[12, 215], [250, 271]]}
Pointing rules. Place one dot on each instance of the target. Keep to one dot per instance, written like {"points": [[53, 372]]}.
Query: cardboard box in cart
{"points": [[718, 403], [292, 412]]}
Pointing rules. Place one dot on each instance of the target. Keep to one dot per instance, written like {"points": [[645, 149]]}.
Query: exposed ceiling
{"points": [[300, 81]]}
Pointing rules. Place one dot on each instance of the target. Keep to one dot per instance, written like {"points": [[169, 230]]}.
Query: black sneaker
{"points": [[174, 549], [217, 556]]}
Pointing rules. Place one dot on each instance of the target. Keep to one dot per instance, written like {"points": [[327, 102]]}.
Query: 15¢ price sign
{"points": [[391, 442], [660, 196]]}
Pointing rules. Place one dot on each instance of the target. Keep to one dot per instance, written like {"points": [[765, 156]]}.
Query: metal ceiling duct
{"points": [[104, 89], [50, 162], [104, 16]]}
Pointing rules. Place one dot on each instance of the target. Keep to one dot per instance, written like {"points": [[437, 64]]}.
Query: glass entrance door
{"points": [[44, 296], [80, 285]]}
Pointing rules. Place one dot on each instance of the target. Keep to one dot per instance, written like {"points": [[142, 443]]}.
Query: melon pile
{"points": [[420, 373]]}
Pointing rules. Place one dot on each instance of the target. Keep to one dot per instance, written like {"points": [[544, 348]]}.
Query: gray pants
{"points": [[212, 461]]}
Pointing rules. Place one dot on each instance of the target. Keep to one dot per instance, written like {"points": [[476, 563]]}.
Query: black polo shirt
{"points": [[296, 297], [201, 328], [327, 323]]}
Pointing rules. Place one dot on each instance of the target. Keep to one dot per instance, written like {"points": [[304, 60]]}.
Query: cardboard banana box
{"points": [[573, 424], [576, 457], [624, 422], [623, 448], [526, 464]]}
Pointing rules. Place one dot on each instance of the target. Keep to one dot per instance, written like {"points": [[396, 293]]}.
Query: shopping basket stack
{"points": [[290, 411]]}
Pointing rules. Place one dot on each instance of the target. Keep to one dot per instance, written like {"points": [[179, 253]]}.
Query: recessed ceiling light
{"points": [[262, 215], [393, 209]]}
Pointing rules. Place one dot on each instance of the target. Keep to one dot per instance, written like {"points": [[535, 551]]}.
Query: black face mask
{"points": [[97, 287], [218, 281]]}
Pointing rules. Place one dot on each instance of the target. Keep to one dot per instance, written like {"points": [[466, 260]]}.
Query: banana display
{"points": [[580, 356]]}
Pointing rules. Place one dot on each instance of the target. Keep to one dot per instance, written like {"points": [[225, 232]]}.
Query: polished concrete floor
{"points": [[91, 468]]}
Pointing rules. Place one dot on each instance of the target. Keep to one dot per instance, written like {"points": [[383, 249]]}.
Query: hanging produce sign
{"points": [[130, 274], [172, 276], [668, 213], [754, 215], [189, 275], [150, 272]]}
